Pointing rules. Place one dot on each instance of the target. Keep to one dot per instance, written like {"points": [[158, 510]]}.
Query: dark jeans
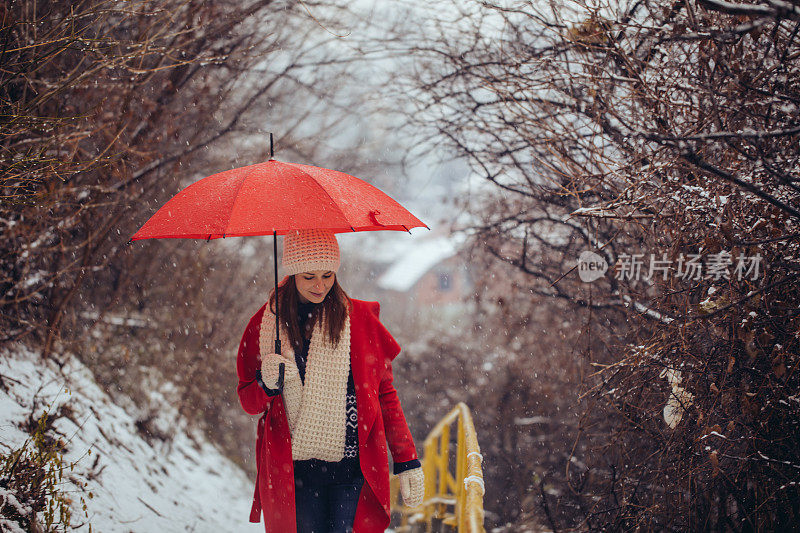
{"points": [[325, 506]]}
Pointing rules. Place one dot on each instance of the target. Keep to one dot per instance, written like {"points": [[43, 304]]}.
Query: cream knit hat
{"points": [[307, 250]]}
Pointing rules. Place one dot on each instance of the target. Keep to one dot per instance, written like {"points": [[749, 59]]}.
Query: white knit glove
{"points": [[270, 369], [412, 486]]}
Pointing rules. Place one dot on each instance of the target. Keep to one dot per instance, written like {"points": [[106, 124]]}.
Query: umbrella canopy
{"points": [[274, 198]]}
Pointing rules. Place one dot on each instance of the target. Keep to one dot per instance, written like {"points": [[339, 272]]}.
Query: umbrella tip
{"points": [[271, 147]]}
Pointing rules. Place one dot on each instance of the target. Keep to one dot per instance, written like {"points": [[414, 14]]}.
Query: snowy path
{"points": [[186, 485]]}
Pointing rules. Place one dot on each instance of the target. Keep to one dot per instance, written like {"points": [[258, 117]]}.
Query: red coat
{"points": [[372, 349]]}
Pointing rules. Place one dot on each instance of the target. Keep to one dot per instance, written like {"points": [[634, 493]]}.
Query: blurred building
{"points": [[430, 274]]}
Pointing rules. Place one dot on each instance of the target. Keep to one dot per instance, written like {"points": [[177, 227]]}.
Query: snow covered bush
{"points": [[32, 497]]}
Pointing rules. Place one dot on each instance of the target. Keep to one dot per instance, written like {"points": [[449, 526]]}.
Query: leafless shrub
{"points": [[32, 494], [641, 128]]}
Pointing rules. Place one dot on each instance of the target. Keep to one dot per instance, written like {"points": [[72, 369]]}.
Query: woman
{"points": [[327, 400]]}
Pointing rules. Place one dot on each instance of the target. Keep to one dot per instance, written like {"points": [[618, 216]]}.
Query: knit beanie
{"points": [[307, 250]]}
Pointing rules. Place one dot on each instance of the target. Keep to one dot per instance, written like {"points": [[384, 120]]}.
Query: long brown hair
{"points": [[332, 311]]}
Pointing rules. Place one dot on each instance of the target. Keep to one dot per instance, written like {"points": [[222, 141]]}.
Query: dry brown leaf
{"points": [[714, 463]]}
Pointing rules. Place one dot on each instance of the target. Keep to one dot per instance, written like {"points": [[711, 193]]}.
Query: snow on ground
{"points": [[182, 485]]}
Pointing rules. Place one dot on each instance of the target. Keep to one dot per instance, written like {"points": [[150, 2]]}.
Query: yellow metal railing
{"points": [[453, 500]]}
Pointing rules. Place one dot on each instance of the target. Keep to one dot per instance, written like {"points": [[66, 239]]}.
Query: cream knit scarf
{"points": [[316, 410]]}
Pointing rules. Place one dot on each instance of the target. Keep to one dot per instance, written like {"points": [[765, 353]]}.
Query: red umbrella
{"points": [[274, 198]]}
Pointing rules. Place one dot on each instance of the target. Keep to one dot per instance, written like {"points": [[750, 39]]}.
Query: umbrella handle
{"points": [[279, 386], [281, 372]]}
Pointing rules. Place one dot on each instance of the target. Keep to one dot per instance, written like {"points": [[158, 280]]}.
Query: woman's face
{"points": [[314, 286]]}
